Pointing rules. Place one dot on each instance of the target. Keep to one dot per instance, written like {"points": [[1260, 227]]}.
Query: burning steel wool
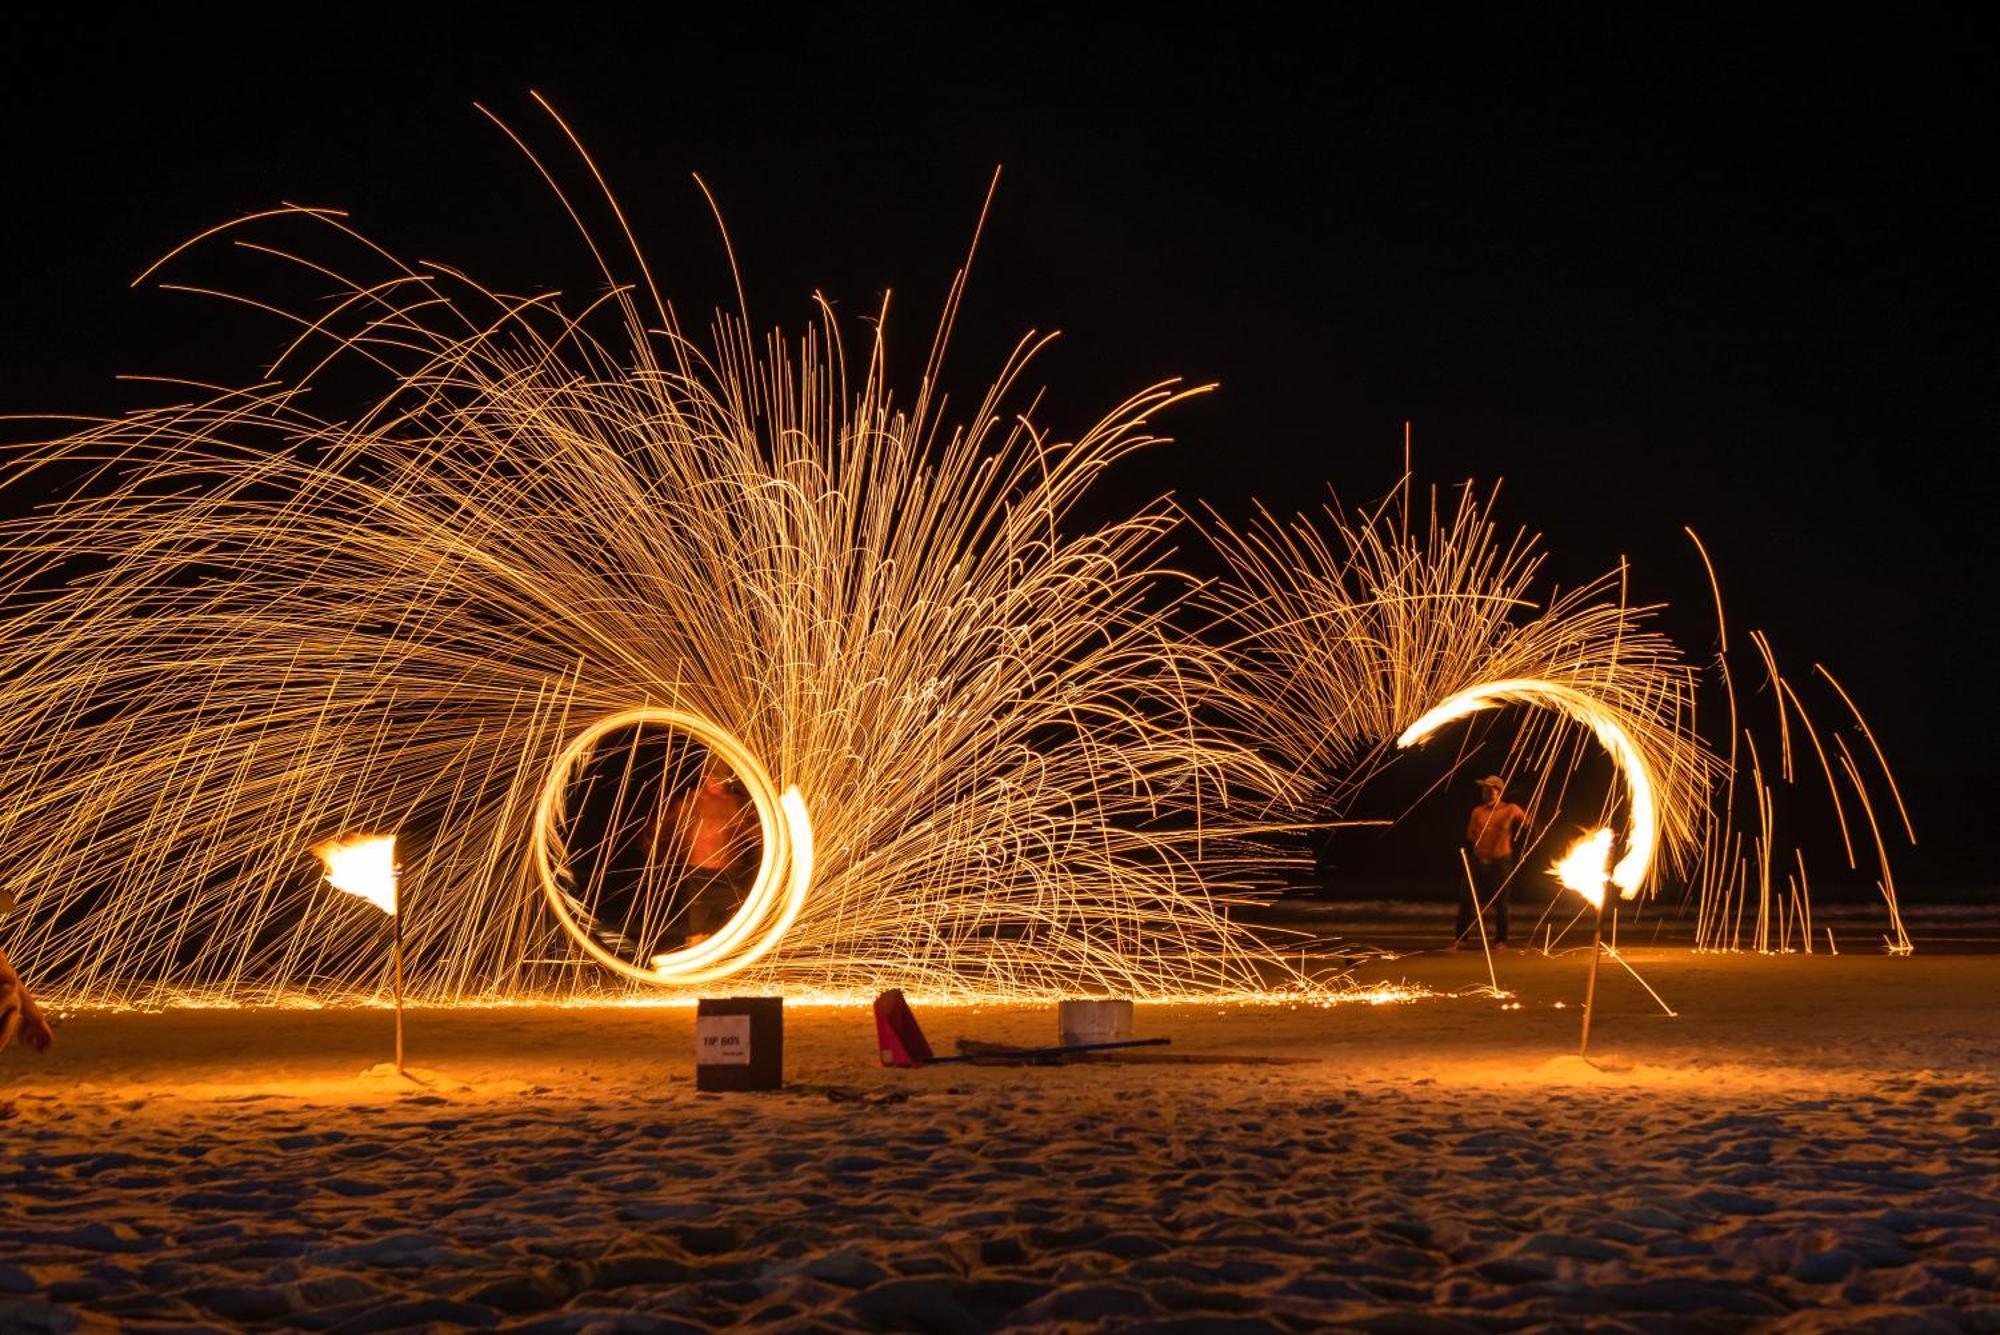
{"points": [[673, 659], [1359, 632], [1634, 869], [1372, 638], [973, 737]]}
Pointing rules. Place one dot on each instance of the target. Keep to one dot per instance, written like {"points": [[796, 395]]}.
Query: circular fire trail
{"points": [[776, 897]]}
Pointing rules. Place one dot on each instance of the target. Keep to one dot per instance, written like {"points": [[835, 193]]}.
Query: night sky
{"points": [[1652, 274]]}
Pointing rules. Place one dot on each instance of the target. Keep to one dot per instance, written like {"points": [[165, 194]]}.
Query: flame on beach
{"points": [[362, 865], [1586, 866]]}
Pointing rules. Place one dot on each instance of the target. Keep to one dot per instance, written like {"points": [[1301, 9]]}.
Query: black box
{"points": [[739, 1043]]}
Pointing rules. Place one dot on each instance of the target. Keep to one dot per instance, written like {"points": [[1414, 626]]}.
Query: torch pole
{"points": [[1590, 989], [396, 933]]}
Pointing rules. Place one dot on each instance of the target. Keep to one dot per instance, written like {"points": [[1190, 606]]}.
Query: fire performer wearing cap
{"points": [[20, 1017], [1493, 837]]}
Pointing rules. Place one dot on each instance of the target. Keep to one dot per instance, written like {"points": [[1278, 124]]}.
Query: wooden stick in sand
{"points": [[1479, 912], [396, 934], [1590, 990]]}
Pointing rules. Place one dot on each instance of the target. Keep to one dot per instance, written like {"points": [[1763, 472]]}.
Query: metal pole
{"points": [[396, 919], [1590, 990]]}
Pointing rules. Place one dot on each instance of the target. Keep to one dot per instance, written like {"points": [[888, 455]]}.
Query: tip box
{"points": [[739, 1043]]}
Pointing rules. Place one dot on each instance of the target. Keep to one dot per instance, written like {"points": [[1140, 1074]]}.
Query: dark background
{"points": [[1653, 272]]}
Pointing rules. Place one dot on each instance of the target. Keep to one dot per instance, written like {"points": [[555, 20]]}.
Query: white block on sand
{"points": [[1093, 1021]]}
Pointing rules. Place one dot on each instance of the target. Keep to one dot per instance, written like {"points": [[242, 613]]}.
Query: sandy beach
{"points": [[1810, 1145]]}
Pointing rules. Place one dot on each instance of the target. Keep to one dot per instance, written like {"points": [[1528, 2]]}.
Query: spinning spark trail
{"points": [[246, 627], [784, 873], [1631, 871], [1372, 637], [1353, 631]]}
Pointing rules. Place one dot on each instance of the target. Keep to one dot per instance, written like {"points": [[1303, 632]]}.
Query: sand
{"points": [[1811, 1145]]}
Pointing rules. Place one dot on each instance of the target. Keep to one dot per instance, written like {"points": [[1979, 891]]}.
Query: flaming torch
{"points": [[1586, 869], [365, 865]]}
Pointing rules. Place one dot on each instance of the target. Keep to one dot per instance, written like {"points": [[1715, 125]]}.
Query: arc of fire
{"points": [[783, 872], [1631, 872]]}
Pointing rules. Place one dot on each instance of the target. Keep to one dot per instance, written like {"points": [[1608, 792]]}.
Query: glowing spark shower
{"points": [[972, 734], [463, 558], [1740, 868]]}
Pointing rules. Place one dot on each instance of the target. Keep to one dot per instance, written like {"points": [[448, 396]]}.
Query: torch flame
{"points": [[364, 865], [1587, 866]]}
